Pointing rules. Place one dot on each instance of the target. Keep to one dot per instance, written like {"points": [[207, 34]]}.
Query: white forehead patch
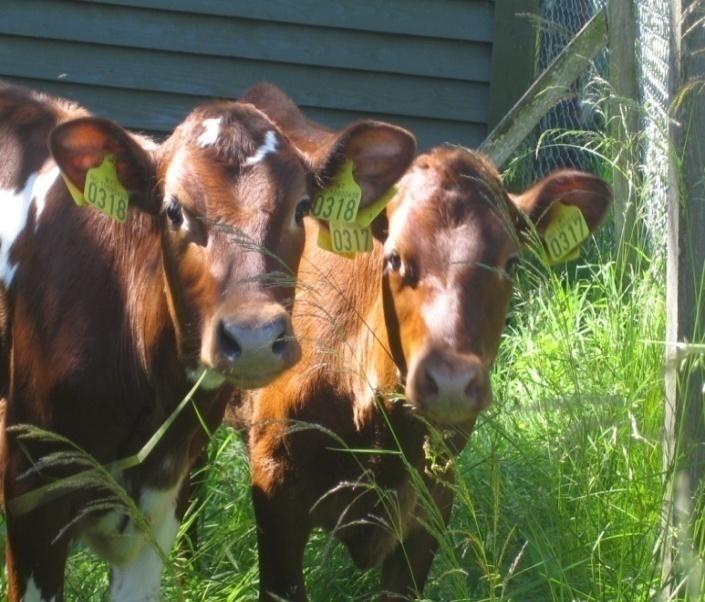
{"points": [[270, 145], [211, 131]]}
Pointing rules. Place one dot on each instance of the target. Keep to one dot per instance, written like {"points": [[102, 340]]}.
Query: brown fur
{"points": [[102, 320], [367, 332]]}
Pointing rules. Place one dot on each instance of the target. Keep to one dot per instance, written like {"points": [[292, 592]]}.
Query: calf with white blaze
{"points": [[104, 326], [395, 343]]}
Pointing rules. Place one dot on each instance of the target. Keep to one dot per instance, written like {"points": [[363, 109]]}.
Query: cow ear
{"points": [[380, 153], [566, 188], [81, 144]]}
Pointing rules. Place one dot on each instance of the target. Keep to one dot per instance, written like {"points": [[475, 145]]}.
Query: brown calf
{"points": [[106, 325], [421, 316]]}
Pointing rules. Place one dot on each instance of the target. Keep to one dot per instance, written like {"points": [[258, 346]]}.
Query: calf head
{"points": [[228, 192], [454, 237]]}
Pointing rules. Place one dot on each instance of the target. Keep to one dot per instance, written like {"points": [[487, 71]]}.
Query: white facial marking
{"points": [[211, 131], [137, 580], [32, 593], [269, 146], [14, 209]]}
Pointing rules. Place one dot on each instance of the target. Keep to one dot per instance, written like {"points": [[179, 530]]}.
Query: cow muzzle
{"points": [[448, 387], [251, 346]]}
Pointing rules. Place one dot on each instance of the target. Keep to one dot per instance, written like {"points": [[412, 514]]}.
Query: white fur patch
{"points": [[14, 210], [211, 131], [270, 145], [137, 579], [32, 593], [41, 188]]}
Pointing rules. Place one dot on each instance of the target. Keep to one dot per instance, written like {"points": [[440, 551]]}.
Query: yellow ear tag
{"points": [[350, 238], [104, 191], [325, 242], [340, 200], [349, 226], [366, 215], [75, 193], [565, 233]]}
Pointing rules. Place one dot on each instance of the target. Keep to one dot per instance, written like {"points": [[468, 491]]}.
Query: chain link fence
{"points": [[655, 61], [569, 134]]}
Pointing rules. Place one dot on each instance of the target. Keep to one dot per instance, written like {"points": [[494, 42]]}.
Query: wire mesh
{"points": [[654, 81], [561, 133], [562, 138]]}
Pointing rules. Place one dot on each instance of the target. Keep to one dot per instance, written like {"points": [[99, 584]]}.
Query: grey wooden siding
{"points": [[423, 64]]}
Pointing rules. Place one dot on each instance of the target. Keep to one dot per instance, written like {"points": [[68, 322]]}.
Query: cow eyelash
{"points": [[302, 210], [175, 213], [393, 261]]}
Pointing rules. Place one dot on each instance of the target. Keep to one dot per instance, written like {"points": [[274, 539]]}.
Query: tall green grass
{"points": [[560, 488]]}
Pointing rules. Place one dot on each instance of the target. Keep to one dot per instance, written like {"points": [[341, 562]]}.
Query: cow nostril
{"points": [[280, 344], [227, 342], [472, 389], [281, 340]]}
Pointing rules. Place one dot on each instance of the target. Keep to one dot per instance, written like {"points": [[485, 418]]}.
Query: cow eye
{"points": [[510, 267], [174, 213], [393, 261], [302, 210]]}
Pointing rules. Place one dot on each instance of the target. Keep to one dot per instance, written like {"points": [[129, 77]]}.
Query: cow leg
{"points": [[281, 538], [35, 558], [138, 580], [405, 571]]}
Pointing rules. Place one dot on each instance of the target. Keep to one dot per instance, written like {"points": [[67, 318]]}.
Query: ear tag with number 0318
{"points": [[565, 233], [103, 190], [340, 200]]}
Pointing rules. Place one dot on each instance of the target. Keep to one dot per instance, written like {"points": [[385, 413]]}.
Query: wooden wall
{"points": [[424, 64]]}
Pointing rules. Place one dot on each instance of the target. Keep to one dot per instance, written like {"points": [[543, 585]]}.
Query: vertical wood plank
{"points": [[513, 55], [684, 432], [624, 119]]}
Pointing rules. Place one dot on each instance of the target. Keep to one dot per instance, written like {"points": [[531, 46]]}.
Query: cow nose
{"points": [[252, 345], [237, 339], [448, 387], [456, 381]]}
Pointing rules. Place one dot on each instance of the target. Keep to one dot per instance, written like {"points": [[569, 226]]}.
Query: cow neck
{"points": [[383, 359], [187, 348], [138, 251], [391, 324], [387, 356]]}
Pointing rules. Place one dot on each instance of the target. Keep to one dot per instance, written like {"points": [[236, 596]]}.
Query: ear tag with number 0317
{"points": [[565, 233], [340, 200], [103, 190]]}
